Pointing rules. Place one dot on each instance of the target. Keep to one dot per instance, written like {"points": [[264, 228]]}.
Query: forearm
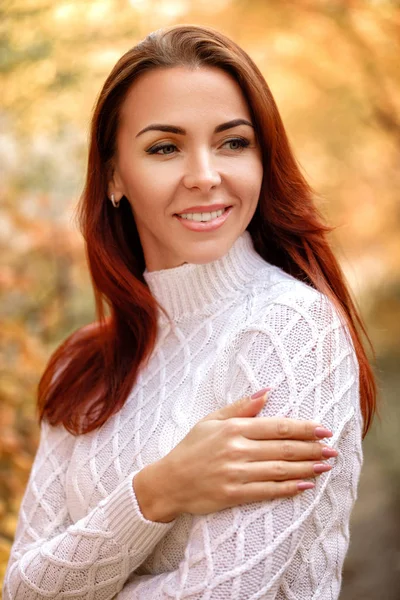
{"points": [[114, 532]]}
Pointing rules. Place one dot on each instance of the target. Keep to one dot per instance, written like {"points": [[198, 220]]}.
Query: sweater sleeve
{"points": [[53, 557], [291, 548]]}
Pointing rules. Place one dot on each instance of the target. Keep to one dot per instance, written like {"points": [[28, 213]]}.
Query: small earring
{"points": [[114, 202]]}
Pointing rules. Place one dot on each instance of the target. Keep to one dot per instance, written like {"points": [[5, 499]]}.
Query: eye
{"points": [[155, 149], [241, 143]]}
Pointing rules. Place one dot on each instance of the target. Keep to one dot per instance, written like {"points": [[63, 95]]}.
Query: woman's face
{"points": [[191, 158]]}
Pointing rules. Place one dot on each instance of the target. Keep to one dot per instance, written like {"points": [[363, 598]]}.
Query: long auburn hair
{"points": [[90, 375]]}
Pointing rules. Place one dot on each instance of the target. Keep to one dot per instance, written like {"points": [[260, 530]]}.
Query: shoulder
{"points": [[292, 316], [276, 292], [294, 341]]}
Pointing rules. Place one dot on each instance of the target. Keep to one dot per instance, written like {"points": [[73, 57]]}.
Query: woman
{"points": [[150, 481]]}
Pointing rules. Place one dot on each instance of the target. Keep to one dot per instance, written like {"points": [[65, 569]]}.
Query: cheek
{"points": [[257, 172], [150, 177], [248, 179], [143, 187]]}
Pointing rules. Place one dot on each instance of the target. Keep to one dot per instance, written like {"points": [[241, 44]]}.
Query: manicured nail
{"points": [[321, 468], [329, 452], [260, 393], [305, 485], [322, 432]]}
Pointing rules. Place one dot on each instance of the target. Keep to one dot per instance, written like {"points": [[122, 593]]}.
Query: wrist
{"points": [[150, 487]]}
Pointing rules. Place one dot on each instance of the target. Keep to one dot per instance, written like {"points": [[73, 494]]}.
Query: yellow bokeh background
{"points": [[333, 68]]}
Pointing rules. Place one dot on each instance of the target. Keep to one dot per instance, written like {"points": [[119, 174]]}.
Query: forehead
{"points": [[179, 96]]}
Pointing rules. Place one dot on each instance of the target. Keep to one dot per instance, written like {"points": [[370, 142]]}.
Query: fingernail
{"points": [[329, 452], [322, 432], [321, 468], [305, 485], [260, 393]]}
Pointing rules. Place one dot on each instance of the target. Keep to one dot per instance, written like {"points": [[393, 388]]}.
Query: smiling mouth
{"points": [[198, 216]]}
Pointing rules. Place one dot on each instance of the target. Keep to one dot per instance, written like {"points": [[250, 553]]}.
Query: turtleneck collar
{"points": [[189, 288]]}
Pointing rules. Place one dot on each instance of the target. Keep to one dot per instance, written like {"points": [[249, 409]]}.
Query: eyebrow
{"points": [[181, 131]]}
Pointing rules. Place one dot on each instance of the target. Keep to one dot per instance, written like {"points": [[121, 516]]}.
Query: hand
{"points": [[229, 458]]}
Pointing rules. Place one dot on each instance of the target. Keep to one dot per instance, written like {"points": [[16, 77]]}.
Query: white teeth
{"points": [[206, 216]]}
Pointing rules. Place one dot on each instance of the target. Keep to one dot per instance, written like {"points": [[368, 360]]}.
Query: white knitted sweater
{"points": [[239, 325]]}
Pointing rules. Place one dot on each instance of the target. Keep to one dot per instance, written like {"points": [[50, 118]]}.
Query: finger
{"points": [[268, 490], [248, 406], [280, 470], [288, 450], [270, 428]]}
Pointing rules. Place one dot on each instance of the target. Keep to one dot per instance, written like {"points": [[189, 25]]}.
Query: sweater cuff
{"points": [[127, 522]]}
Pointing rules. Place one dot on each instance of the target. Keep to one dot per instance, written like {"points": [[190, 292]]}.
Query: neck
{"points": [[191, 288]]}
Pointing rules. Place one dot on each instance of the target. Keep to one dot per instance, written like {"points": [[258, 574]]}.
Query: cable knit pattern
{"points": [[237, 324]]}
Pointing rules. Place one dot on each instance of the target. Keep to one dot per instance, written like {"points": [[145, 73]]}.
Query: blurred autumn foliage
{"points": [[333, 67]]}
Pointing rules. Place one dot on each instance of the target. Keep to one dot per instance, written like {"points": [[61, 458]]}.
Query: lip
{"points": [[207, 225], [200, 209]]}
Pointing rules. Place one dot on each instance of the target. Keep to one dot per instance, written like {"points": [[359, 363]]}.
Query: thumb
{"points": [[248, 406]]}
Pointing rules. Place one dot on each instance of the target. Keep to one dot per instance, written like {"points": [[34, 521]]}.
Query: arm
{"points": [[52, 557], [294, 547]]}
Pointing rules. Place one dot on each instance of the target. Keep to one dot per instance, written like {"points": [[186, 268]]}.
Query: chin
{"points": [[209, 255]]}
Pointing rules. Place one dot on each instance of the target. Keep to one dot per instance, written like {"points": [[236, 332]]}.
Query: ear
{"points": [[114, 182]]}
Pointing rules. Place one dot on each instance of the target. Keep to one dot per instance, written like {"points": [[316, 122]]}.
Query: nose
{"points": [[200, 172]]}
